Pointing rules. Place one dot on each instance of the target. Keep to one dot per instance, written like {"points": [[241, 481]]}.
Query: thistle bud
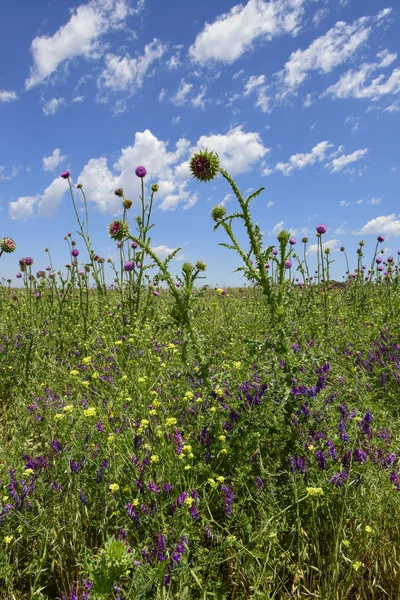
{"points": [[127, 204], [218, 212], [119, 192], [155, 187]]}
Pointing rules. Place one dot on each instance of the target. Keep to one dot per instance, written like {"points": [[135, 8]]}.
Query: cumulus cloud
{"points": [[326, 52], [163, 251], [365, 83], [46, 203], [7, 96], [22, 208], [80, 36], [238, 150], [385, 224], [52, 161], [123, 73], [233, 33]]}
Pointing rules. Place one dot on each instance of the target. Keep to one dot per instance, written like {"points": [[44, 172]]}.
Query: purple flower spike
{"points": [[322, 228], [129, 265], [140, 172], [75, 252], [65, 174]]}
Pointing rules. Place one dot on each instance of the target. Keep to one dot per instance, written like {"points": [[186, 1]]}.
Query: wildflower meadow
{"points": [[163, 439]]}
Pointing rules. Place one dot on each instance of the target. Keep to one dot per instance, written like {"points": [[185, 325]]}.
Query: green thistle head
{"points": [[204, 165], [200, 265], [218, 212], [283, 237]]}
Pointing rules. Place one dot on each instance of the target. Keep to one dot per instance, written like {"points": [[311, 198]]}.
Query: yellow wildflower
{"points": [[154, 458], [357, 565], [59, 416], [8, 539], [368, 529], [170, 421], [29, 471], [90, 412], [68, 409], [315, 491], [74, 372], [87, 360]]}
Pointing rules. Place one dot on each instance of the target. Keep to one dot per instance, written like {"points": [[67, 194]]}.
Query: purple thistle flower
{"points": [[292, 241], [75, 252], [140, 172], [322, 228], [65, 174], [288, 264], [380, 239], [129, 265]]}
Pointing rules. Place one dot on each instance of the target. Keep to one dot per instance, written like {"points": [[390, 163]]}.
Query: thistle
{"points": [[204, 165]]}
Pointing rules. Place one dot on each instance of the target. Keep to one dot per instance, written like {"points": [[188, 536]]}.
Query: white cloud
{"points": [[340, 163], [22, 208], [182, 94], [52, 161], [8, 173], [331, 244], [163, 251], [300, 161], [7, 96], [389, 225], [78, 99], [51, 197], [47, 203], [270, 204], [363, 83], [52, 106], [326, 52], [344, 203], [124, 73], [238, 151], [277, 228], [374, 201], [198, 101], [80, 36], [233, 33], [256, 84], [176, 120]]}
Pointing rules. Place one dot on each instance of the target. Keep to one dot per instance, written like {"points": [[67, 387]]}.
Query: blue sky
{"points": [[299, 96]]}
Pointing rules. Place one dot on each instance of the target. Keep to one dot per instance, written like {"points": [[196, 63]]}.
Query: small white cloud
{"points": [[385, 224], [7, 96], [52, 106], [163, 251], [340, 163], [176, 120], [52, 161], [181, 95], [233, 33], [344, 203], [161, 95], [78, 99], [331, 244], [199, 101], [277, 228], [270, 204], [302, 160], [374, 201]]}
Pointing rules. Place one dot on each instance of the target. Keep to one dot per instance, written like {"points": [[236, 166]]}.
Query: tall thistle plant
{"points": [[205, 166]]}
